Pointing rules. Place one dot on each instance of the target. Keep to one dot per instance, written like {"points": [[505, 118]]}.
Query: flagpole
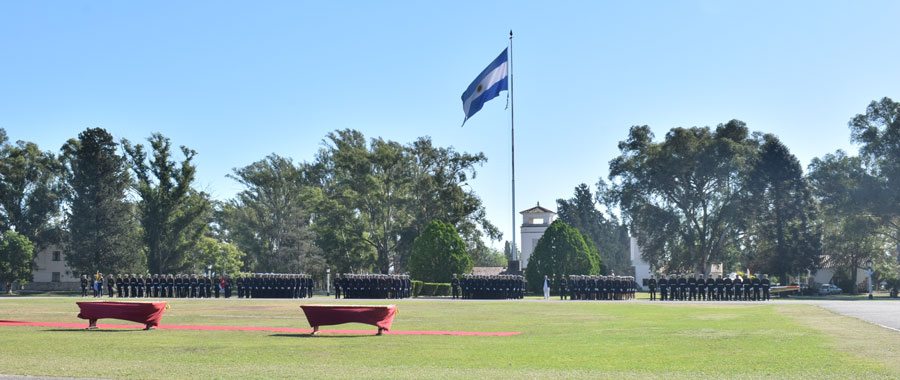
{"points": [[512, 133]]}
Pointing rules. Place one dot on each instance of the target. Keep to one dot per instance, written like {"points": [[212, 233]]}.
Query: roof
{"points": [[489, 271], [538, 210]]}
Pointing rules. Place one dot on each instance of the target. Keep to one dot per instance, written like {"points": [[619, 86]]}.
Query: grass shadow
{"points": [[319, 336], [95, 330]]}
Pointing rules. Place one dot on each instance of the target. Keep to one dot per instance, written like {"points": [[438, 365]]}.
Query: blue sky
{"points": [[237, 81]]}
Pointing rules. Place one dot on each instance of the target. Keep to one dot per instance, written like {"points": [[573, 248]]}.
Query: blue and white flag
{"points": [[486, 86]]}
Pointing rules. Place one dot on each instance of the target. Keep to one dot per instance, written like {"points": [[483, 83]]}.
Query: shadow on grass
{"points": [[320, 336], [96, 330]]}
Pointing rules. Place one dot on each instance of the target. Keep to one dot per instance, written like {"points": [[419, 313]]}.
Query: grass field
{"points": [[558, 340]]}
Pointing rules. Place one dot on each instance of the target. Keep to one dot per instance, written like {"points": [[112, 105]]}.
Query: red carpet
{"points": [[244, 328]]}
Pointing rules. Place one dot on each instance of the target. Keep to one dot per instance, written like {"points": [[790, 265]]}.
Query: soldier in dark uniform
{"points": [[132, 286], [720, 288], [692, 288], [119, 285], [310, 286], [208, 282], [110, 284], [663, 287], [228, 286], [148, 287], [701, 288], [651, 285], [154, 283], [729, 288], [170, 286], [84, 285], [748, 287], [757, 287], [738, 285], [710, 288], [454, 286], [563, 289], [766, 284]]}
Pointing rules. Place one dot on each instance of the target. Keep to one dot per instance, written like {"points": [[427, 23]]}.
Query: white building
{"points": [[51, 272], [535, 221], [641, 268]]}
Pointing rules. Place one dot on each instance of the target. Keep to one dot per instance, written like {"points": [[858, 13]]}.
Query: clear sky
{"points": [[237, 81]]}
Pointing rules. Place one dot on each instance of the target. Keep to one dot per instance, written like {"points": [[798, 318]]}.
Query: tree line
{"points": [[725, 195], [120, 207]]}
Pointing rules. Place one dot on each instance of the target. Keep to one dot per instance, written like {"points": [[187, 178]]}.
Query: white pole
{"points": [[512, 133]]}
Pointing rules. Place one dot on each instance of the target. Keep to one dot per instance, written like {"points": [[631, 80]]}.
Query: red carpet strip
{"points": [[250, 328]]}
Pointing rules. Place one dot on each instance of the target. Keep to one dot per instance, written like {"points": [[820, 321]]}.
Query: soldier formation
{"points": [[696, 288], [384, 286], [256, 285], [501, 286], [602, 288]]}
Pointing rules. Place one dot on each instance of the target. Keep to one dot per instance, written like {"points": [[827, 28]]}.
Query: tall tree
{"points": [[174, 217], [852, 232], [681, 196], [215, 256], [562, 250], [31, 188], [102, 224], [878, 134], [438, 253], [782, 233], [16, 254], [382, 194], [268, 220], [610, 238]]}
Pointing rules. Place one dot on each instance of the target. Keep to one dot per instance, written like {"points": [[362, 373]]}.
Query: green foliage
{"points": [[16, 254], [416, 287], [174, 217], [485, 256], [433, 289], [101, 223], [382, 195], [562, 250], [222, 258], [682, 196], [268, 219], [438, 253], [781, 218], [605, 232], [31, 189]]}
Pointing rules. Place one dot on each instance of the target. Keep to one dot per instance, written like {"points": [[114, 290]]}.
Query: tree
{"points": [[562, 250], [268, 221], [438, 253], [682, 196], [878, 133], [174, 217], [31, 189], [101, 223], [218, 257], [852, 233], [485, 256], [382, 195], [782, 235], [610, 238], [16, 253]]}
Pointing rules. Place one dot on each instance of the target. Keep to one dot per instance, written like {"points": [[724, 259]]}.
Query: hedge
{"points": [[431, 289], [416, 288]]}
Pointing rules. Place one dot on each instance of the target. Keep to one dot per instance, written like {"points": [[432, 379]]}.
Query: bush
{"points": [[430, 289], [416, 288]]}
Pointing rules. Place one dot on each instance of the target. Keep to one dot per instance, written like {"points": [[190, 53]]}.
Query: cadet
{"points": [[720, 288], [110, 284], [757, 287], [701, 288], [454, 286], [651, 284], [766, 284]]}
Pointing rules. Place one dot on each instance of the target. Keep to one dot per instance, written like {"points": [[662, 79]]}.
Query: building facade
{"points": [[51, 272], [535, 222]]}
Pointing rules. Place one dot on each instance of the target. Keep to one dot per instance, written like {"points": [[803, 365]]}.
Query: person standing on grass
{"points": [[110, 284], [651, 284], [546, 288]]}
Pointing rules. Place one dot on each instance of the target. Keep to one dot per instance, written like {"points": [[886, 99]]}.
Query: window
{"points": [[56, 255], [537, 220], [55, 277]]}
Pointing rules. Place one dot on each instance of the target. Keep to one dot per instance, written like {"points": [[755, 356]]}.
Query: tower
{"points": [[535, 221]]}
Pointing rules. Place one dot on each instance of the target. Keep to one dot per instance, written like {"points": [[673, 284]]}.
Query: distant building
{"points": [[535, 222], [643, 271], [51, 272]]}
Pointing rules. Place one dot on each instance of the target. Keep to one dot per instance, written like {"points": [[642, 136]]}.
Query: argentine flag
{"points": [[486, 86]]}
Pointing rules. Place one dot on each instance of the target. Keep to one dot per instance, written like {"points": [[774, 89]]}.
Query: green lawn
{"points": [[558, 340]]}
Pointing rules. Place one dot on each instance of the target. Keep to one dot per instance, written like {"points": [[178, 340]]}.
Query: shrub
{"points": [[416, 288]]}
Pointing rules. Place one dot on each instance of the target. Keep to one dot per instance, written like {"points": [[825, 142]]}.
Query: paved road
{"points": [[883, 313]]}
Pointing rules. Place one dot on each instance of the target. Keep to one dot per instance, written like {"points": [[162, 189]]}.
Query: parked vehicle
{"points": [[829, 289]]}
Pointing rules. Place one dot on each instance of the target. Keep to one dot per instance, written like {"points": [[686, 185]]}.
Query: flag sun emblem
{"points": [[478, 89]]}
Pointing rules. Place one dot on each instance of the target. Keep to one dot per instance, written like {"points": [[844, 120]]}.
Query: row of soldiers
{"points": [[256, 285], [591, 287], [382, 286], [501, 286], [696, 288]]}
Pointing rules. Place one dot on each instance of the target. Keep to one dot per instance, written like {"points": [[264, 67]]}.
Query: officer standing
{"points": [[651, 284], [766, 284]]}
